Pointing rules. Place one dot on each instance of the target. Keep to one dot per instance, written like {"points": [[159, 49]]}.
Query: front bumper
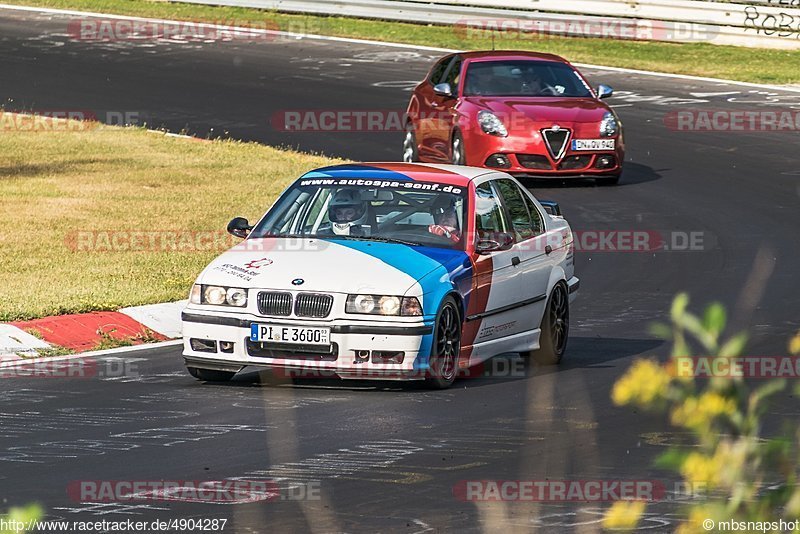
{"points": [[355, 346], [525, 156]]}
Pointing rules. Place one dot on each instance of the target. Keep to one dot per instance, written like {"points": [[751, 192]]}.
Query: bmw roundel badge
{"points": [[298, 282]]}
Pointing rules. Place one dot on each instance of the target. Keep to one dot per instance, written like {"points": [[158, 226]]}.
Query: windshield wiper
{"points": [[380, 239]]}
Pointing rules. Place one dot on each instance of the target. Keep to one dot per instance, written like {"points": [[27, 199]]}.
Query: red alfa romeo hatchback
{"points": [[525, 113]]}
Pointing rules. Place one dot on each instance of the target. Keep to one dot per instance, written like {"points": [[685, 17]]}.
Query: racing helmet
{"points": [[444, 207], [345, 210]]}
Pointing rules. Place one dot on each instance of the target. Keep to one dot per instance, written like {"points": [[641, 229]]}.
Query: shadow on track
{"points": [[634, 174], [582, 353]]}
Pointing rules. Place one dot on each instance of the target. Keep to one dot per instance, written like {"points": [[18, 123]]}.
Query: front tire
{"points": [[410, 148], [446, 346], [457, 154], [555, 328], [210, 375]]}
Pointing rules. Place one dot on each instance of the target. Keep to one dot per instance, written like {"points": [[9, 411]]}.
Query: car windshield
{"points": [[527, 78], [413, 213]]}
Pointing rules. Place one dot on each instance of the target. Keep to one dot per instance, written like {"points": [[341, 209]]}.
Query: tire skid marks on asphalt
{"points": [[237, 398], [580, 517], [107, 508], [50, 451], [360, 461], [20, 423], [28, 396], [167, 437]]}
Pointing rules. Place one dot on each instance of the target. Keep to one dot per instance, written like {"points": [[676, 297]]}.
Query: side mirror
{"points": [[443, 89], [604, 91], [551, 207], [494, 243], [239, 227]]}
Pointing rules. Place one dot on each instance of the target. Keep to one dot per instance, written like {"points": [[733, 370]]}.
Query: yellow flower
{"points": [[699, 469], [642, 384], [794, 344], [707, 472], [696, 412], [624, 515], [694, 523]]}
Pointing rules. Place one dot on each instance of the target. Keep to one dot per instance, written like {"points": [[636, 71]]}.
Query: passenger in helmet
{"points": [[445, 220], [348, 213]]}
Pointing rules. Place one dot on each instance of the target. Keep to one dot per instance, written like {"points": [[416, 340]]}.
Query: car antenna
{"points": [[492, 41]]}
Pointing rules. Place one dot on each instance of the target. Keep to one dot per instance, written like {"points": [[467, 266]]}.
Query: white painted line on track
{"points": [[92, 354], [791, 89]]}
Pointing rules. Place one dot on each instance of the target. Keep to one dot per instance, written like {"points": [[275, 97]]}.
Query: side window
{"points": [[453, 76], [536, 216], [515, 204], [489, 218], [437, 72]]}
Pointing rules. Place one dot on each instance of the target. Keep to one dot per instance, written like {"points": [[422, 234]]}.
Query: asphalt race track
{"points": [[378, 457]]}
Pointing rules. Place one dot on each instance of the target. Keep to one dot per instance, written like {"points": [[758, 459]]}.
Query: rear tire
{"points": [[210, 375], [446, 346], [555, 328]]}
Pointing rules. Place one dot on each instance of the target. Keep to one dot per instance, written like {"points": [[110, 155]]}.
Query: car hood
{"points": [[331, 265], [544, 110]]}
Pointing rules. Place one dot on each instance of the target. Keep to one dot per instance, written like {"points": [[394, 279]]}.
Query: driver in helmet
{"points": [[445, 220], [348, 213]]}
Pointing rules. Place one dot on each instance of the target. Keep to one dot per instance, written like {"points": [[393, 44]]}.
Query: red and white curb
{"points": [[137, 325]]}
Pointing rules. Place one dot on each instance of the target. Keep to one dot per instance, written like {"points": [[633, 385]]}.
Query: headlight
{"points": [[490, 124], [236, 296], [609, 126], [196, 294], [214, 295], [223, 296], [382, 305]]}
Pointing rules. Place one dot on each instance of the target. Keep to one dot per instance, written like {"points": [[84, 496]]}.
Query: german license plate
{"points": [[592, 144], [295, 335]]}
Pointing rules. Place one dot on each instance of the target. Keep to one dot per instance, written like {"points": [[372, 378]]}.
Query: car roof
{"points": [[423, 172], [488, 55]]}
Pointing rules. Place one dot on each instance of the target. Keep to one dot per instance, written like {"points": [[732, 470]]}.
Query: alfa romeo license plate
{"points": [[592, 144], [296, 335]]}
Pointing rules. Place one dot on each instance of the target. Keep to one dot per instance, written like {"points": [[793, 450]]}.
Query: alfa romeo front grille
{"points": [[534, 161], [274, 303], [556, 140], [575, 162], [313, 305]]}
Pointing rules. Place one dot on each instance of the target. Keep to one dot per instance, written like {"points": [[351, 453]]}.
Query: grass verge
{"points": [[100, 218], [700, 59]]}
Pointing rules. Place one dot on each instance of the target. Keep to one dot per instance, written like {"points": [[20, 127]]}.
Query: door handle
{"points": [[548, 249], [515, 261]]}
